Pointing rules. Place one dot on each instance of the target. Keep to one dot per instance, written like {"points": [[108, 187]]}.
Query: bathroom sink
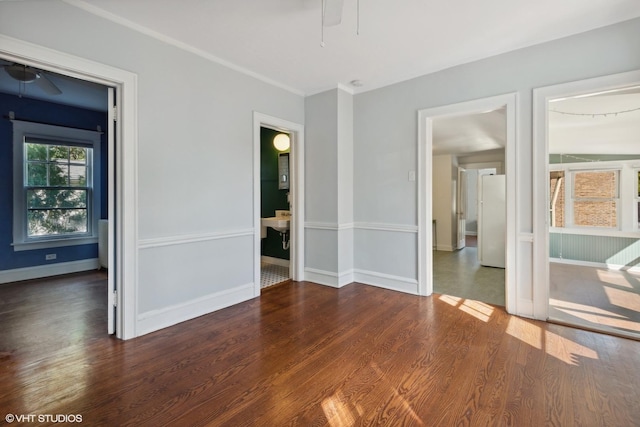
{"points": [[280, 224]]}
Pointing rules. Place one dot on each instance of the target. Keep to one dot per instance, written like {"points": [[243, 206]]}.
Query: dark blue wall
{"points": [[54, 114], [272, 197]]}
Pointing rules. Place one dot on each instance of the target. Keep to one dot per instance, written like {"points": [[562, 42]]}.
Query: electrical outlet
{"points": [[49, 257]]}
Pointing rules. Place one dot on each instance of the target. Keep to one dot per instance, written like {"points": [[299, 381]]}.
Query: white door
{"points": [[461, 207], [111, 282], [492, 221]]}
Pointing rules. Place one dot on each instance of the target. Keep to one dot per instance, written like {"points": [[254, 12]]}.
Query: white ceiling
{"points": [[600, 123], [472, 133], [590, 125], [279, 40]]}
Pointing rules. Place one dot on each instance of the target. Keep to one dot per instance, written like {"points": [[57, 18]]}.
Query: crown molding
{"points": [[94, 10]]}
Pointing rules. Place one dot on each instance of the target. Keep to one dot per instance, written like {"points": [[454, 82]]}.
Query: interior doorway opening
{"points": [[122, 194], [469, 152], [62, 134], [592, 197], [275, 207], [278, 208], [429, 185]]}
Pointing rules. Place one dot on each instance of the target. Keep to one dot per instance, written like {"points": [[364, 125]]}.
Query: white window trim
{"points": [[636, 198], [23, 129], [626, 224]]}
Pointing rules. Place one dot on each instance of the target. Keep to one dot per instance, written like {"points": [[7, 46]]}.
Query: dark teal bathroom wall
{"points": [[270, 197]]}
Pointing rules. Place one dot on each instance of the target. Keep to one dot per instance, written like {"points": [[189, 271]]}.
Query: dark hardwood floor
{"points": [[305, 354]]}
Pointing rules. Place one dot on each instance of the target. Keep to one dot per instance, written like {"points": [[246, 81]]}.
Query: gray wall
{"points": [[385, 122], [195, 149], [329, 187], [201, 125]]}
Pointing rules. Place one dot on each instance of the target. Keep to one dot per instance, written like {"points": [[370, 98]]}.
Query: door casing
{"points": [[124, 156], [425, 203]]}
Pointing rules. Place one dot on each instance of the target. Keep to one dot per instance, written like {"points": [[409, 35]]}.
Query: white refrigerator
{"points": [[492, 213]]}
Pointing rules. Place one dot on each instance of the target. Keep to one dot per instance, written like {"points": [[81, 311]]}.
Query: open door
{"points": [[461, 208], [111, 282]]}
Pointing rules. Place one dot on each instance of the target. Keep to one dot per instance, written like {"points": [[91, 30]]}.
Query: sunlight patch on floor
{"points": [[567, 306], [566, 350], [337, 411], [453, 301], [477, 309], [613, 277], [563, 349], [525, 331], [604, 320], [624, 299]]}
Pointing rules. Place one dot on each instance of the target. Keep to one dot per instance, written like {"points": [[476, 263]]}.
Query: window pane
{"points": [[595, 214], [58, 153], [36, 174], [596, 185], [36, 152], [78, 155], [58, 175], [77, 176], [42, 198], [56, 222]]}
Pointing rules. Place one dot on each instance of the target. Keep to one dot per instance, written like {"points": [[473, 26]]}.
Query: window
{"points": [[55, 201], [57, 188], [595, 199]]}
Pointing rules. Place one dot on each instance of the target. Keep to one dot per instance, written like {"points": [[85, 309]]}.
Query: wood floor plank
{"points": [[304, 354]]}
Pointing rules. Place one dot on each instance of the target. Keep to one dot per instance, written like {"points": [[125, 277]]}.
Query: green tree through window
{"points": [[57, 188]]}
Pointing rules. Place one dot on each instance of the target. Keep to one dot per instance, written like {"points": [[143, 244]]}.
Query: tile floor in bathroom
{"points": [[271, 274]]}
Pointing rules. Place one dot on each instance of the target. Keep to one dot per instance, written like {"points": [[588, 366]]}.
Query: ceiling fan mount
{"points": [[27, 74], [22, 73]]}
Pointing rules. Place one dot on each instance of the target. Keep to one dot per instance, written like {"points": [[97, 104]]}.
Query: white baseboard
{"points": [[471, 233], [372, 278], [275, 261], [446, 248], [322, 277], [387, 281], [595, 264], [328, 278], [154, 320], [40, 271]]}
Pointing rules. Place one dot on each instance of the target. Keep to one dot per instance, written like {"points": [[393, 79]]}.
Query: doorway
{"points": [[61, 136], [286, 225], [122, 202], [592, 191], [427, 186], [469, 157], [275, 210]]}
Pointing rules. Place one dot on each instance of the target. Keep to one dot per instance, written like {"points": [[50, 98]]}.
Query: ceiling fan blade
{"points": [[47, 85], [332, 12]]}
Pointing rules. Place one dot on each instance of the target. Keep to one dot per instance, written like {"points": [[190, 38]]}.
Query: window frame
{"points": [[23, 130], [571, 198], [627, 172]]}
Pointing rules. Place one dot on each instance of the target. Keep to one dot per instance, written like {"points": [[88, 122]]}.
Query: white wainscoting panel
{"points": [[157, 319], [56, 269], [180, 270]]}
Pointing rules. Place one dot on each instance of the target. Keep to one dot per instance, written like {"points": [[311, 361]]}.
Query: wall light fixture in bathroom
{"points": [[282, 142]]}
